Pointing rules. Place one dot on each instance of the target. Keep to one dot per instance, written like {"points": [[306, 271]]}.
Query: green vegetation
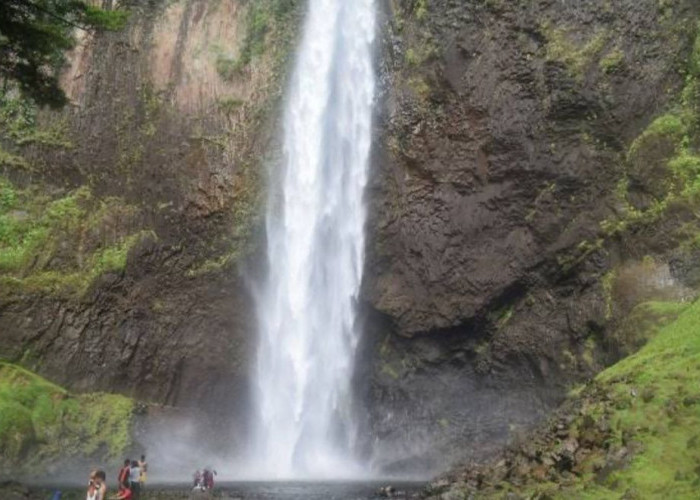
{"points": [[632, 432], [422, 53], [227, 66], [59, 245], [577, 57], [650, 405], [264, 19], [608, 281], [421, 9], [501, 316], [667, 155], [228, 105], [19, 126], [40, 421], [612, 62], [213, 265], [655, 404], [34, 36], [643, 323], [580, 253], [419, 87]]}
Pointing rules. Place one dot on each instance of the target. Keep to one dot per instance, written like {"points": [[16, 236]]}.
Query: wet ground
{"points": [[259, 491]]}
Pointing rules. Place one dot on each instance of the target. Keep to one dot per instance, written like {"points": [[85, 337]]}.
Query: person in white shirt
{"points": [[134, 476]]}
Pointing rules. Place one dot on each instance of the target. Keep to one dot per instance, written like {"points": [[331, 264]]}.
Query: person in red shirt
{"points": [[123, 476], [124, 494]]}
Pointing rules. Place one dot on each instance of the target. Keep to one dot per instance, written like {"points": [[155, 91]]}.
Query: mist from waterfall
{"points": [[315, 250]]}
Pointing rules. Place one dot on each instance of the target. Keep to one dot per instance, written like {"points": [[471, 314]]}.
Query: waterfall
{"points": [[315, 249]]}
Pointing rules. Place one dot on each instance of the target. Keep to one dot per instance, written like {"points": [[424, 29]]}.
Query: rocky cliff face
{"points": [[131, 210], [528, 192], [505, 174]]}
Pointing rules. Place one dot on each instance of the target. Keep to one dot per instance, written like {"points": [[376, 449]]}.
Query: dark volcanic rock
{"points": [[504, 130]]}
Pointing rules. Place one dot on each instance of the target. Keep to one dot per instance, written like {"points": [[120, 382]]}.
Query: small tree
{"points": [[34, 36]]}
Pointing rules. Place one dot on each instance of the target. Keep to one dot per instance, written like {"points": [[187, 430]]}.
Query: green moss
{"points": [[214, 265], [415, 56], [8, 195], [612, 61], [40, 421], [58, 245], [694, 65], [412, 58], [12, 160], [667, 156], [646, 408], [419, 87], [500, 317], [16, 429], [671, 127], [686, 167], [227, 66], [20, 124], [264, 18], [643, 323], [54, 134], [665, 421], [585, 248], [421, 9], [228, 105], [607, 282], [388, 370], [570, 361], [588, 352], [576, 56]]}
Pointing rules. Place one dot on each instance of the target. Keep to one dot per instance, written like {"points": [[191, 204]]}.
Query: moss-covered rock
{"points": [[662, 167], [60, 244], [41, 422]]}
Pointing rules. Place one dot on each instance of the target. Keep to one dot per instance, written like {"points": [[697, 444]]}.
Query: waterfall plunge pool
{"points": [[260, 490]]}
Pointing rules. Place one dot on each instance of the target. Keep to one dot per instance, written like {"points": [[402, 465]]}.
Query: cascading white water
{"points": [[315, 231]]}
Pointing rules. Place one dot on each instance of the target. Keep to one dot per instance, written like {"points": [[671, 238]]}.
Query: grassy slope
{"points": [[654, 406], [633, 432], [651, 402], [40, 421]]}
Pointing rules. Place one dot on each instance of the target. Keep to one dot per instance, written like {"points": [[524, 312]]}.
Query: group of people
{"points": [[132, 479], [204, 479]]}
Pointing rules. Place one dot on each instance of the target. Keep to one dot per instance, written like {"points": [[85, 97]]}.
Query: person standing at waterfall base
{"points": [[97, 486], [134, 475], [123, 477], [208, 478], [143, 465]]}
